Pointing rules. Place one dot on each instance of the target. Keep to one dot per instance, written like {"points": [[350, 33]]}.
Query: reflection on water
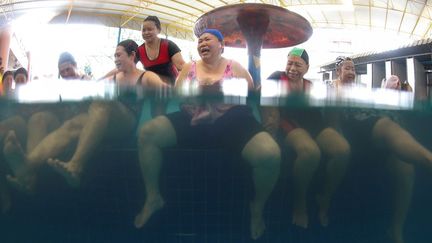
{"points": [[273, 93], [320, 94], [207, 191]]}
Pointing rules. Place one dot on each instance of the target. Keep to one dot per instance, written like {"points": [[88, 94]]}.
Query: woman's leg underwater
{"points": [[337, 149], [263, 154], [155, 135], [306, 164]]}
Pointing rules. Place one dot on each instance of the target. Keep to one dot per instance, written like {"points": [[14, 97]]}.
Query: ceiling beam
{"points": [[189, 6], [378, 7], [427, 31], [348, 25], [355, 17], [175, 1], [184, 13], [7, 10], [386, 16], [428, 11], [105, 2], [370, 14], [142, 4], [418, 18], [108, 10], [403, 15], [113, 20], [69, 10], [282, 4], [203, 2], [325, 17], [307, 12], [224, 2]]}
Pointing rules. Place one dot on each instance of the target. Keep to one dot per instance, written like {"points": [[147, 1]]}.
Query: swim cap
{"points": [[300, 52], [214, 32]]}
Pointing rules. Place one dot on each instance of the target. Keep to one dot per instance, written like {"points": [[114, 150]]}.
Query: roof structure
{"points": [[420, 48], [407, 17], [401, 19]]}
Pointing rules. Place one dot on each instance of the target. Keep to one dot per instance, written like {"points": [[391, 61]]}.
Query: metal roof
{"points": [[408, 17], [415, 49]]}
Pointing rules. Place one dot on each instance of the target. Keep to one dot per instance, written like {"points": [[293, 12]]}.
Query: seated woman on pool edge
{"points": [[381, 132], [104, 120], [306, 132], [232, 127], [111, 120]]}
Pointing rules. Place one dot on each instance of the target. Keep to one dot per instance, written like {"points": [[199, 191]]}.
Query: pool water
{"points": [[207, 194]]}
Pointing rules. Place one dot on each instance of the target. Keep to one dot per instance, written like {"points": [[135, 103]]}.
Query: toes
{"points": [[72, 177], [13, 181], [138, 222], [10, 135], [55, 163], [17, 184], [257, 230], [60, 167], [5, 202]]}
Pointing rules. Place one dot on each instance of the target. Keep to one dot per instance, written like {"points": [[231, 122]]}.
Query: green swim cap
{"points": [[300, 52]]}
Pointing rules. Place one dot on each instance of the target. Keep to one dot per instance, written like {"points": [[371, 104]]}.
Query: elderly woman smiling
{"points": [[373, 129]]}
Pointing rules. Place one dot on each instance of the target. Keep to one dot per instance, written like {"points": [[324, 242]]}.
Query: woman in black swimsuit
{"points": [[365, 128], [105, 120]]}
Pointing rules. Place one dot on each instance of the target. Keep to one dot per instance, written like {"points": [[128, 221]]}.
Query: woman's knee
{"points": [[17, 123], [19, 120], [303, 145], [308, 151], [74, 126], [100, 107], [44, 118], [157, 131], [335, 147], [402, 168], [341, 151], [387, 133], [385, 126], [147, 132], [262, 151]]}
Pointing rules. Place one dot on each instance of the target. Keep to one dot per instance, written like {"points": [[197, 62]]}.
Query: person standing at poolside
{"points": [[159, 55]]}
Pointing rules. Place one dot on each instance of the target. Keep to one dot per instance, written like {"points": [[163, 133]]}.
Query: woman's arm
{"points": [[240, 72], [182, 75], [175, 55], [178, 61], [152, 80], [270, 119], [110, 74]]}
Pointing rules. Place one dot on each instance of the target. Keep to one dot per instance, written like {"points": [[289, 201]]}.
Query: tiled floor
{"points": [[207, 195]]}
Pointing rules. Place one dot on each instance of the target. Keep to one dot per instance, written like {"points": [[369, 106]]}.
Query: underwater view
{"points": [[207, 187], [160, 121]]}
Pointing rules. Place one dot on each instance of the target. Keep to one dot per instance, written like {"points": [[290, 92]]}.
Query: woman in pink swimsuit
{"points": [[210, 123]]}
